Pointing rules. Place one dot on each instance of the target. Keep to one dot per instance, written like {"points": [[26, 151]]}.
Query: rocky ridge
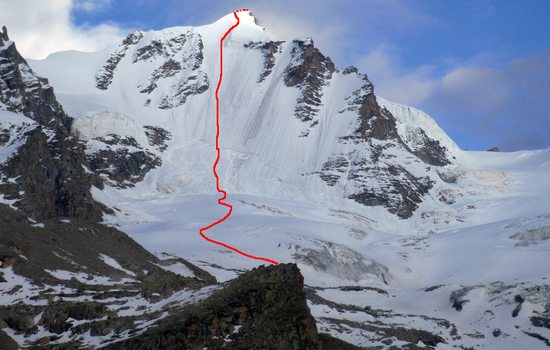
{"points": [[47, 177], [262, 309]]}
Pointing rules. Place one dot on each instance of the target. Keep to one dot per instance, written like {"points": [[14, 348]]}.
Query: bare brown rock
{"points": [[8, 261]]}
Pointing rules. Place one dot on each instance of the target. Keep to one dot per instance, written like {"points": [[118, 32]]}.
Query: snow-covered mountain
{"points": [[403, 238], [293, 125]]}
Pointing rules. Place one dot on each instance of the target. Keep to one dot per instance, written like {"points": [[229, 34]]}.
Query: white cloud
{"points": [[327, 36], [42, 27], [91, 5], [392, 82], [480, 88], [505, 106]]}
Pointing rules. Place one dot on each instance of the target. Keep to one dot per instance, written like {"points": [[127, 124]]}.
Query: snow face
{"points": [[113, 263], [179, 269], [105, 123], [88, 279], [77, 65], [411, 119]]}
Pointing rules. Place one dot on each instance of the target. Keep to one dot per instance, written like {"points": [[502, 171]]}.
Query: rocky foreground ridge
{"points": [[48, 176]]}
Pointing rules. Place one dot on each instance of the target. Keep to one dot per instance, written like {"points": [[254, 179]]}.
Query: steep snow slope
{"points": [[373, 200]]}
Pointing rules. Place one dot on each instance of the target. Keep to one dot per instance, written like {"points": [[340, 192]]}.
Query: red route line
{"points": [[224, 193]]}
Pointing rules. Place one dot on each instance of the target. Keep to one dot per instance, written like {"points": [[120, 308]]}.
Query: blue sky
{"points": [[480, 68], [431, 31]]}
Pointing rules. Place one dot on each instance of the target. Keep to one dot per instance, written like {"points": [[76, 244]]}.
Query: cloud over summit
{"points": [[42, 27]]}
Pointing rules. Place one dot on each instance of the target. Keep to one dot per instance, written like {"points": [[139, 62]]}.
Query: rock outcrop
{"points": [[179, 74], [104, 77], [46, 177], [121, 161], [21, 91], [269, 50], [262, 309], [311, 71]]}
